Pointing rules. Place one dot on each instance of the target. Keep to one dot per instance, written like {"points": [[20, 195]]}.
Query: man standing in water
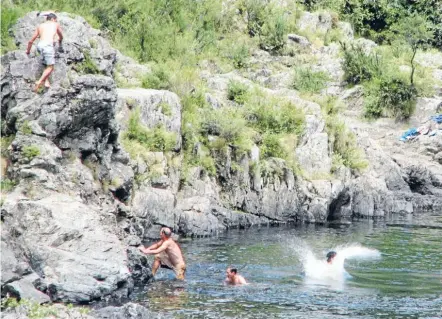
{"points": [[330, 256], [233, 278], [46, 31], [167, 254]]}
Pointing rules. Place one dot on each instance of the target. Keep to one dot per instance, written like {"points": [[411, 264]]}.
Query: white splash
{"points": [[318, 268]]}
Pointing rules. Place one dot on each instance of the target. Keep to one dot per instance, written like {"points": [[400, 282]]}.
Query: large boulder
{"points": [[72, 247], [61, 229]]}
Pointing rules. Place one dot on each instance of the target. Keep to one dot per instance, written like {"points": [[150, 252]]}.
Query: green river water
{"points": [[403, 281]]}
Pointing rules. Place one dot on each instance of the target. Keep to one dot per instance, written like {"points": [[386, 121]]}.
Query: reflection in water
{"points": [[288, 280]]}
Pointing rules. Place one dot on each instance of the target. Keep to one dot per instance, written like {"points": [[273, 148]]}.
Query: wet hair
{"points": [[331, 255], [166, 231], [234, 270], [51, 16]]}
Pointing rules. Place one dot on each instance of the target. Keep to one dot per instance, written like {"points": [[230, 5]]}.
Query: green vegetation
{"points": [[159, 79], [152, 140], [179, 37], [379, 20], [388, 91], [271, 123], [240, 55], [267, 22], [390, 97], [307, 80], [237, 91], [9, 16], [342, 141], [7, 185], [416, 31], [5, 142], [359, 65], [87, 66], [34, 310], [25, 128], [30, 151]]}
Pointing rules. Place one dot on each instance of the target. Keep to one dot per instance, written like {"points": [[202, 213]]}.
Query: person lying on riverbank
{"points": [[167, 254], [233, 278]]}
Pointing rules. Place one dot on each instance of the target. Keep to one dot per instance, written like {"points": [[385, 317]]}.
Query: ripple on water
{"points": [[404, 283]]}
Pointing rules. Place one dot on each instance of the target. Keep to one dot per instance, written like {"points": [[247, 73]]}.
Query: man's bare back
{"points": [[174, 252], [167, 254], [47, 31]]}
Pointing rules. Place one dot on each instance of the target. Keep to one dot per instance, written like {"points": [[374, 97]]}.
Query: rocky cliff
{"points": [[80, 204]]}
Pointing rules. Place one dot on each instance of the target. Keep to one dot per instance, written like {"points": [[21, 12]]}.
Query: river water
{"points": [[393, 271]]}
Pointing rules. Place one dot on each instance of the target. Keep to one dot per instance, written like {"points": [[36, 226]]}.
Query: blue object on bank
{"points": [[437, 118], [411, 132]]}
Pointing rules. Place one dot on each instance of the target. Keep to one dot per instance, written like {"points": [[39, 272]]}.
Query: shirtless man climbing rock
{"points": [[46, 31], [167, 254]]}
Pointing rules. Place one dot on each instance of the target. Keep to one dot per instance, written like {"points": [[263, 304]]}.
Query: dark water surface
{"points": [[405, 282]]}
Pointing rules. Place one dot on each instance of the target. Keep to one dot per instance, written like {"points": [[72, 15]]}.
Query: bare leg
{"points": [[46, 73], [47, 84], [156, 264]]}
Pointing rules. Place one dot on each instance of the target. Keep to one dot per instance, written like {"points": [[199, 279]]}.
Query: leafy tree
{"points": [[414, 30]]}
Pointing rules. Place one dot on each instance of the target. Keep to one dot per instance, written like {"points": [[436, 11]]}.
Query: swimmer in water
{"points": [[330, 256], [233, 278]]}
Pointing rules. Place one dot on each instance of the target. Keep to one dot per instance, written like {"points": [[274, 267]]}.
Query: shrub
{"points": [[390, 97], [307, 80], [165, 108], [193, 105], [333, 35], [159, 79], [272, 147], [155, 140], [7, 185], [25, 128], [256, 14], [9, 16], [228, 124], [360, 66], [5, 142], [239, 56], [87, 66], [344, 145], [30, 151], [237, 91], [342, 141], [273, 36], [275, 116]]}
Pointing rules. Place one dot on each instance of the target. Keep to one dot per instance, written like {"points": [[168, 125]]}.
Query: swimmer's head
{"points": [[330, 256], [231, 272], [166, 231]]}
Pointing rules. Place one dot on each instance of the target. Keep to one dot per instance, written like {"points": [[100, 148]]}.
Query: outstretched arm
{"points": [[154, 246], [35, 36], [163, 247]]}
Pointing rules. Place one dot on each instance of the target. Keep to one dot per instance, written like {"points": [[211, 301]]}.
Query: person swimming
{"points": [[233, 278], [330, 256]]}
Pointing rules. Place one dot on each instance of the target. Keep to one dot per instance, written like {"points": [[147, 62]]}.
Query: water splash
{"points": [[319, 269]]}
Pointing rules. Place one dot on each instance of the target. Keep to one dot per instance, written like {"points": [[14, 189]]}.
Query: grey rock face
{"points": [[157, 107], [70, 246], [315, 22], [301, 41], [25, 289], [128, 311], [61, 225]]}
